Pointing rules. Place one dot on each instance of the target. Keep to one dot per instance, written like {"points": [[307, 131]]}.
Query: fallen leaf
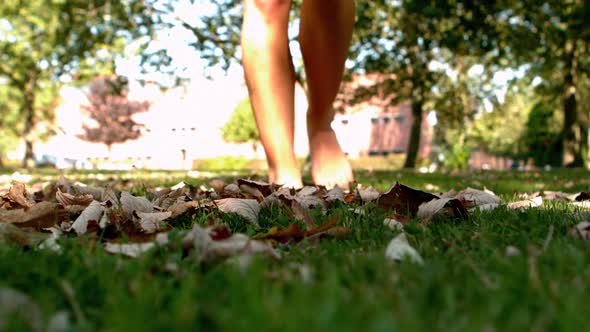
{"points": [[403, 199], [582, 204], [93, 212], [17, 194], [40, 215], [393, 224], [206, 250], [231, 189], [263, 188], [149, 222], [526, 204], [67, 199], [15, 305], [302, 214], [448, 206], [582, 230], [473, 198], [10, 234], [247, 208], [583, 196], [129, 249], [289, 233], [399, 249], [217, 185], [171, 198], [335, 194], [130, 204], [368, 194], [59, 322], [512, 251], [307, 191]]}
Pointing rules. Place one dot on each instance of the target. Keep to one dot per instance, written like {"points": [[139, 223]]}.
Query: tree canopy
{"points": [[45, 42]]}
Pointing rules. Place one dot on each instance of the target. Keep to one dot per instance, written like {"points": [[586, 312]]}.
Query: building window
{"points": [[399, 118], [344, 121], [386, 119], [374, 120]]}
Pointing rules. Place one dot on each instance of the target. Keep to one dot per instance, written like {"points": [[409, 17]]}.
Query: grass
{"points": [[467, 283]]}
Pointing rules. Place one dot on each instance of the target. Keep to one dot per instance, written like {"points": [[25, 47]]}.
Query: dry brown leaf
{"points": [[149, 222], [263, 188], [18, 194], [403, 199], [302, 213], [252, 191], [67, 199], [93, 212], [171, 198], [40, 215], [247, 208], [10, 234], [130, 204]]}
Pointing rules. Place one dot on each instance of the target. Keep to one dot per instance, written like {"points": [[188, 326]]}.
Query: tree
{"points": [[113, 112], [241, 126], [501, 130], [417, 43], [552, 37], [43, 42]]}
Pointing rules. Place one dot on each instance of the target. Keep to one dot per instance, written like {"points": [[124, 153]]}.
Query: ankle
{"points": [[318, 121]]}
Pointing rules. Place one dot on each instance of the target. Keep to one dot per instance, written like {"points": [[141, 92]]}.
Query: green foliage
{"points": [[542, 137], [241, 126], [456, 153], [45, 42], [500, 131]]}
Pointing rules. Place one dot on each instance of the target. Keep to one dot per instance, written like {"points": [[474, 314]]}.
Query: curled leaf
{"points": [[93, 212], [403, 199], [17, 194], [67, 199]]}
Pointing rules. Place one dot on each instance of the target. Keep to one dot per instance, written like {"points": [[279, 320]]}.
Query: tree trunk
{"points": [[575, 128], [415, 133], [29, 114]]}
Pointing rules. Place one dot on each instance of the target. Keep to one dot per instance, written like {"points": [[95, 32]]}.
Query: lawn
{"points": [[499, 270]]}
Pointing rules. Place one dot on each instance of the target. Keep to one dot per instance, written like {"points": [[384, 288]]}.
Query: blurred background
{"points": [[157, 84]]}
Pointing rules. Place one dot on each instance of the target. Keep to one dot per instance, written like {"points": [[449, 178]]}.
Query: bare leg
{"points": [[271, 84], [325, 34]]}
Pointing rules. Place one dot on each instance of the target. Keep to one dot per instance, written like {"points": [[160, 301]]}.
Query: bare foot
{"points": [[287, 177], [329, 166]]}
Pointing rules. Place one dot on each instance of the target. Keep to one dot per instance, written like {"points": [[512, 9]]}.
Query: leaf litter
{"points": [[132, 225]]}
